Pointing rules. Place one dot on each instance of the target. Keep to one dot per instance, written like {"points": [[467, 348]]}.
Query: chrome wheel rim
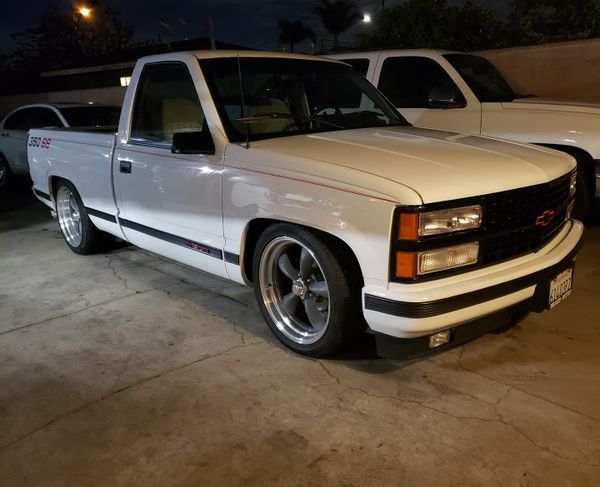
{"points": [[294, 290], [69, 216]]}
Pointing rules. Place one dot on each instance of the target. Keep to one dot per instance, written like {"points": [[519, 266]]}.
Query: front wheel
{"points": [[304, 292], [79, 232]]}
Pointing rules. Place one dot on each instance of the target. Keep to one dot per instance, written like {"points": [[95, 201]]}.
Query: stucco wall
{"points": [[109, 96], [563, 70]]}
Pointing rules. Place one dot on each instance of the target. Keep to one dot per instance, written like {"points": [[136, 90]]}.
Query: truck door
{"points": [[169, 203], [414, 84]]}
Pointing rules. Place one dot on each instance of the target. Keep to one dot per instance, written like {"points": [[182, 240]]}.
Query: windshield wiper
{"points": [[366, 112], [263, 116]]}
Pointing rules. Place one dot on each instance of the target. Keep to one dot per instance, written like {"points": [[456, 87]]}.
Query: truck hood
{"points": [[439, 166], [572, 106]]}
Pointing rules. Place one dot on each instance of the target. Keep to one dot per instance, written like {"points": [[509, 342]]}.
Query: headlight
{"points": [[409, 262], [446, 221], [573, 184]]}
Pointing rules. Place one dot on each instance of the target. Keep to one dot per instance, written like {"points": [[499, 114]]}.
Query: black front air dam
{"points": [[408, 348]]}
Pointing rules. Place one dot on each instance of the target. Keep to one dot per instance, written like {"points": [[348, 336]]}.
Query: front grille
{"points": [[510, 220], [508, 229]]}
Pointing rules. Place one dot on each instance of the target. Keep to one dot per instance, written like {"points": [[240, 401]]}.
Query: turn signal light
{"points": [[406, 265], [408, 228]]}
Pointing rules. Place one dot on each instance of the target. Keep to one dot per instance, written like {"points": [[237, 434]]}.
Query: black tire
{"points": [[92, 240], [586, 182], [331, 265], [5, 173]]}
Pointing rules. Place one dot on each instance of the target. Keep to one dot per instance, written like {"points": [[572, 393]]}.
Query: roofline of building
{"points": [[92, 69]]}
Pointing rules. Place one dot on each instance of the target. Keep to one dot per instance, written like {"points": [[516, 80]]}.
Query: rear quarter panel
{"points": [[84, 159]]}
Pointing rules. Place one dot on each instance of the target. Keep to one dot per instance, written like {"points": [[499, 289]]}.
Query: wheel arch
{"points": [[257, 226], [584, 160], [53, 181]]}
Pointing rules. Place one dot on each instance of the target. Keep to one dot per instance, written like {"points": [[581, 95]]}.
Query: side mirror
{"points": [[445, 96], [193, 143]]}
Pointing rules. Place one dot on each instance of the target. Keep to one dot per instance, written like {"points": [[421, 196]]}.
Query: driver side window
{"points": [[408, 81], [165, 104]]}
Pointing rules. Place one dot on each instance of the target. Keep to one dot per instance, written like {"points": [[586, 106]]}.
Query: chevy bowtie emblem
{"points": [[545, 218]]}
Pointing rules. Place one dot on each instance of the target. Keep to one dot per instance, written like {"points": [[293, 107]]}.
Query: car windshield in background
{"points": [[91, 116], [483, 78], [293, 96]]}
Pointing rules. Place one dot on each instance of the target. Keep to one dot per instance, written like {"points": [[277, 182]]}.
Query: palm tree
{"points": [[337, 16], [293, 32]]}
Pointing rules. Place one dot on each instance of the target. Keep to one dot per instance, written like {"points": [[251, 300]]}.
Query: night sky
{"points": [[252, 23]]}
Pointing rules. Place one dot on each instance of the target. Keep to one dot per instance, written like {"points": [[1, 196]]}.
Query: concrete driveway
{"points": [[128, 369]]}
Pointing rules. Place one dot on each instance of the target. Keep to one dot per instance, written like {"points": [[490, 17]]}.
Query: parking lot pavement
{"points": [[128, 369]]}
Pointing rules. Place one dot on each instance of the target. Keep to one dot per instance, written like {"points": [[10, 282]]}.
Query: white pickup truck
{"points": [[463, 92], [293, 174]]}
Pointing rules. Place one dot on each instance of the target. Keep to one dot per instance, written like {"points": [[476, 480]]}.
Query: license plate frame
{"points": [[560, 286]]}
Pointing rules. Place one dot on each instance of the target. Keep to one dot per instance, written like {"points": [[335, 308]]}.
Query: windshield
{"points": [[91, 116], [284, 97], [483, 78]]}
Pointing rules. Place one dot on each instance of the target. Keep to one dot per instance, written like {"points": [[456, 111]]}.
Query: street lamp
{"points": [[366, 19], [85, 12]]}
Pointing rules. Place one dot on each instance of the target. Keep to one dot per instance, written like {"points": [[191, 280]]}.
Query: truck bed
{"points": [[83, 157]]}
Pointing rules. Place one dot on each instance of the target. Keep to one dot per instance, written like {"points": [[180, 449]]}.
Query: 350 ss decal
{"points": [[41, 142]]}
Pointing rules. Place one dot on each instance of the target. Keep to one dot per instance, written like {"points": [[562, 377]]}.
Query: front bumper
{"points": [[418, 310]]}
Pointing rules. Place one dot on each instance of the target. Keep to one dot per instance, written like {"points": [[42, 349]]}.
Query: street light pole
{"points": [[211, 33]]}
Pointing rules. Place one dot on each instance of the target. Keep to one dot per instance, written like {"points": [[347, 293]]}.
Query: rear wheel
{"points": [[79, 232], [304, 292]]}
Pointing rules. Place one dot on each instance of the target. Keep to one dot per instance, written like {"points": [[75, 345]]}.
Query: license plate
{"points": [[560, 287]]}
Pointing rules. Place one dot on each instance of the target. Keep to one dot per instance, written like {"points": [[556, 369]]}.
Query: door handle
{"points": [[125, 167], [4, 134]]}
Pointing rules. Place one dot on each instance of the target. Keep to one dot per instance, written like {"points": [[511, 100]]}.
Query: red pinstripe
{"points": [[315, 183]]}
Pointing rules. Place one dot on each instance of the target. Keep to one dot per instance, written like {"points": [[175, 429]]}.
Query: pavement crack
{"points": [[81, 310], [52, 422], [399, 399], [462, 366], [504, 421], [500, 419], [114, 271]]}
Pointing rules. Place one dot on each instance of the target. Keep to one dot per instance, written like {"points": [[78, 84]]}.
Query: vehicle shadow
{"points": [[363, 356]]}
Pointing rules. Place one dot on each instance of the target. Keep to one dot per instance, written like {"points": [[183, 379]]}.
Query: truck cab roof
{"points": [[230, 54], [404, 52]]}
